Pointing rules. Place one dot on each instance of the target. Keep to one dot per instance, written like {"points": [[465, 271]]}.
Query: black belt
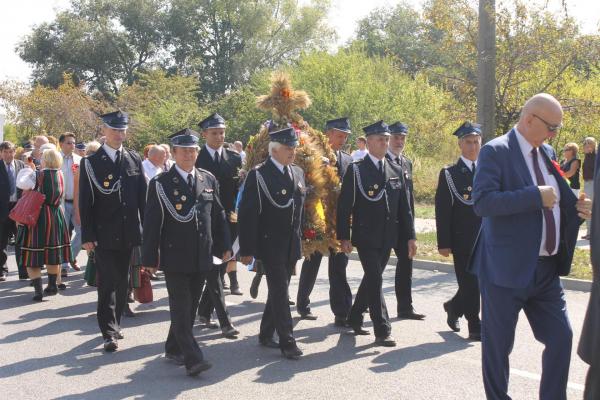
{"points": [[546, 258], [68, 201]]}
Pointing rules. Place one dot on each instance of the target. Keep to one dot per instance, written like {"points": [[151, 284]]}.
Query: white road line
{"points": [[537, 377]]}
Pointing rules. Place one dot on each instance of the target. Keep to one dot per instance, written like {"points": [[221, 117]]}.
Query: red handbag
{"points": [[28, 207], [143, 294]]}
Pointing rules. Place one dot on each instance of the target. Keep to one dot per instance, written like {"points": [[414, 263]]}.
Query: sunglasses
{"points": [[549, 126]]}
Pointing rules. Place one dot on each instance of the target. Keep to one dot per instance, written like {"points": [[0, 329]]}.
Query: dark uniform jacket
{"points": [[267, 232], [226, 173], [407, 168], [112, 219], [4, 187], [456, 221], [343, 162], [184, 246], [375, 224]]}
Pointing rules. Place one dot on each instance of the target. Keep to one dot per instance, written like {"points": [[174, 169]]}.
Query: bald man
{"points": [[528, 233]]}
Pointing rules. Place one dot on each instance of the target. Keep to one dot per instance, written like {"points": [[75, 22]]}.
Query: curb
{"points": [[437, 266]]}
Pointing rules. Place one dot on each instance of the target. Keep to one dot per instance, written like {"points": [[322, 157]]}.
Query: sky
{"points": [[18, 17]]}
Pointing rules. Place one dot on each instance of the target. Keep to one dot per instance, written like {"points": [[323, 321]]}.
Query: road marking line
{"points": [[537, 377]]}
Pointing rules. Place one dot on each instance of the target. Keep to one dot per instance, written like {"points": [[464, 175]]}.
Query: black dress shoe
{"points": [[291, 302], [127, 312], [385, 341], [175, 358], [341, 322], [197, 368], [452, 319], [207, 322], [110, 345], [359, 331], [254, 285], [411, 315], [475, 336], [230, 332], [235, 290], [292, 352], [270, 343], [61, 286], [308, 316]]}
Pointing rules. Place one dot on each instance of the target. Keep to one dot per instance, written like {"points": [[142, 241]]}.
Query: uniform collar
{"points": [[112, 153], [278, 165], [185, 174], [376, 160], [468, 163], [212, 151]]}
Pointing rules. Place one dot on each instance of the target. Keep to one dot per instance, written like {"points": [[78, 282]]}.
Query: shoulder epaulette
{"points": [[207, 172]]}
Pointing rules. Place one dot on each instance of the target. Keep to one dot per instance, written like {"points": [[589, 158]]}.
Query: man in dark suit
{"points": [[224, 164], [184, 220], [374, 196], [270, 215], [112, 196], [9, 194], [589, 344], [458, 225], [527, 240], [404, 266], [340, 296]]}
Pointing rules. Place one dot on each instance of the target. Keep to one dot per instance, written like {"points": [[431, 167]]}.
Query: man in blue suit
{"points": [[527, 239]]}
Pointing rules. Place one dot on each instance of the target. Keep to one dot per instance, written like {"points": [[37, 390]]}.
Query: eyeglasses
{"points": [[549, 126]]}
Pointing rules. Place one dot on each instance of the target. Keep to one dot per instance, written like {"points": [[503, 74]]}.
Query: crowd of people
{"points": [[507, 215]]}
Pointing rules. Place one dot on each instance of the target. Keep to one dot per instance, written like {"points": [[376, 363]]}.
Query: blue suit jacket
{"points": [[507, 248]]}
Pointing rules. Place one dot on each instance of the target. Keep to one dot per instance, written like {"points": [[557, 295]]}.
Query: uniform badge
{"points": [[175, 180], [183, 198], [178, 207], [110, 176], [176, 192], [106, 184], [375, 186], [469, 188], [371, 193], [283, 191], [466, 196], [208, 190]]}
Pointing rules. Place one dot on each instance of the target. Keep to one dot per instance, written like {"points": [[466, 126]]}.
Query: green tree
{"points": [[159, 105], [102, 43], [227, 41]]}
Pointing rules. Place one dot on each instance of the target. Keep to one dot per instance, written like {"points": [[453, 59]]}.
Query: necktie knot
{"points": [[190, 180]]}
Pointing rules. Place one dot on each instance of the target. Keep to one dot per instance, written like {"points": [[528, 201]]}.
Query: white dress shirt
{"points": [[150, 170], [13, 166], [550, 180], [184, 174], [359, 154], [280, 167], [112, 153], [67, 170], [212, 152], [469, 163], [376, 160]]}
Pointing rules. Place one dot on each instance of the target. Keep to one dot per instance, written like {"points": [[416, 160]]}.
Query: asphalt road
{"points": [[53, 350]]}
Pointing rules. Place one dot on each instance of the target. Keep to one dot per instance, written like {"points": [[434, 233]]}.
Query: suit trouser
{"points": [[592, 384], [8, 227], [403, 279], [214, 298], [207, 302], [340, 296], [466, 301], [69, 212], [277, 316], [370, 291], [543, 302], [184, 292], [113, 271]]}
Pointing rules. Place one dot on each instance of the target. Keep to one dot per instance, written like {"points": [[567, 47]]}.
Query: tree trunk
{"points": [[486, 68]]}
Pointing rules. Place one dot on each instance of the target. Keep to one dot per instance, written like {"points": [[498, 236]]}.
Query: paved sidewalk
{"points": [[52, 350]]}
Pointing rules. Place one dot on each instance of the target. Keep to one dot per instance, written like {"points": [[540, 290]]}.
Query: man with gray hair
{"points": [[153, 165]]}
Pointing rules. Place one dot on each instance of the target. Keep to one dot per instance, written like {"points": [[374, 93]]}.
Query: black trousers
{"points": [[466, 301], [113, 273], [184, 292], [592, 384], [340, 296], [213, 298], [403, 279], [370, 292], [277, 316], [207, 302], [8, 227]]}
